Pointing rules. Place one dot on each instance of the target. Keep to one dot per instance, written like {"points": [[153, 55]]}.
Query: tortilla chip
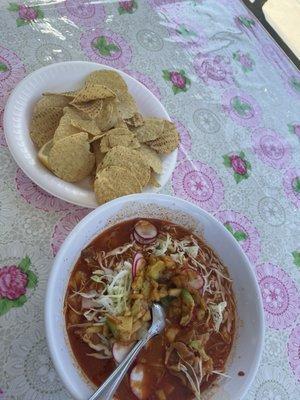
{"points": [[108, 117], [116, 134], [120, 140], [113, 182], [65, 128], [70, 158], [110, 79], [125, 157], [91, 108], [89, 126], [121, 123], [43, 154], [168, 141], [135, 121], [151, 158], [53, 100], [92, 92], [104, 144], [43, 124], [71, 94], [126, 106], [151, 130]]}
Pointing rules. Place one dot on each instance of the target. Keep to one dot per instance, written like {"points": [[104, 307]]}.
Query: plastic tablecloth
{"points": [[235, 99]]}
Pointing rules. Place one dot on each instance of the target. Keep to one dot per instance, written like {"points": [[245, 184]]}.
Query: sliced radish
{"points": [[120, 351], [145, 229], [196, 283], [137, 383], [140, 240], [138, 262]]}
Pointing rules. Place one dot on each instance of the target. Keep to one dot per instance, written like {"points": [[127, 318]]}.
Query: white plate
{"points": [[59, 78], [248, 344]]}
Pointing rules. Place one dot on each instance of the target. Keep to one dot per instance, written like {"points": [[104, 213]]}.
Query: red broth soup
{"points": [[108, 301]]}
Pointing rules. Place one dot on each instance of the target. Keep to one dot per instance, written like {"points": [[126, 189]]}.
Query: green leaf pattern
{"points": [[296, 256], [296, 184], [105, 47], [240, 236], [241, 107], [3, 67]]}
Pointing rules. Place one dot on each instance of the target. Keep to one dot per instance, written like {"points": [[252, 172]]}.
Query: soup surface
{"points": [[108, 302]]}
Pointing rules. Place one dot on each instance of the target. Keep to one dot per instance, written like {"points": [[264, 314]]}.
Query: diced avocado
{"points": [[161, 395], [146, 289], [171, 333], [188, 305], [187, 298], [125, 323], [112, 326], [155, 270], [198, 346], [120, 327]]}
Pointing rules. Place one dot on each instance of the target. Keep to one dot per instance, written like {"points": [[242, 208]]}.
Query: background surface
{"points": [[235, 98]]}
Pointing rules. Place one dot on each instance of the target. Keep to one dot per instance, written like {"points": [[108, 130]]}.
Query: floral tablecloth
{"points": [[235, 99]]}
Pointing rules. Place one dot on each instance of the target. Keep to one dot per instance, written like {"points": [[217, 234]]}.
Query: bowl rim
{"points": [[39, 176], [54, 275]]}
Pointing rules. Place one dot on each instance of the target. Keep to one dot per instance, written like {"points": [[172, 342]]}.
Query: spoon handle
{"points": [[107, 390]]}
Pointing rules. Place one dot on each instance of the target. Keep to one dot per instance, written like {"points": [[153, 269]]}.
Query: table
{"points": [[235, 99]]}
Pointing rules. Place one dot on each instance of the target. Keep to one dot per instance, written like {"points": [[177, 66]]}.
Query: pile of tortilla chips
{"points": [[98, 131]]}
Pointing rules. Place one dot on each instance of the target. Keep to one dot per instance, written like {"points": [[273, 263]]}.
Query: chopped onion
{"points": [[145, 229]]}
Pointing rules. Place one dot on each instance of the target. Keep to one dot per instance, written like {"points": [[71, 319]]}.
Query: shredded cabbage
{"points": [[216, 311], [162, 246]]}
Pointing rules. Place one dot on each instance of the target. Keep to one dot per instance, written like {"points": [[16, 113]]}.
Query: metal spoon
{"points": [[107, 390]]}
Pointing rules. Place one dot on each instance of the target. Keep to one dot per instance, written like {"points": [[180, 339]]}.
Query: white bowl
{"points": [[248, 344], [62, 77]]}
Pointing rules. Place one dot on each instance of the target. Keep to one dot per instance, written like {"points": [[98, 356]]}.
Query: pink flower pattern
{"points": [[146, 81], [185, 144], [83, 13], [118, 59], [280, 296], [36, 196], [197, 182], [294, 351], [251, 245], [27, 13], [64, 226], [177, 79], [238, 165], [13, 282], [292, 192], [271, 148], [14, 71]]}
